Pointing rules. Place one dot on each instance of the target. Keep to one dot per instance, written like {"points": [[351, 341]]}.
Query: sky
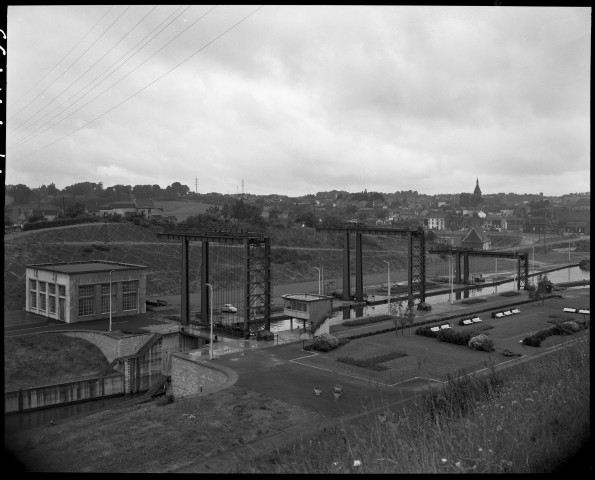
{"points": [[295, 100]]}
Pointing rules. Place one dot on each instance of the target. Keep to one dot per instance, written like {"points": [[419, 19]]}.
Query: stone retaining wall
{"points": [[192, 374]]}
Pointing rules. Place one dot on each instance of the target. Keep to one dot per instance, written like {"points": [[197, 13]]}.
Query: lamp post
{"points": [[318, 279], [451, 273], [496, 277], [110, 300], [388, 303], [211, 308]]}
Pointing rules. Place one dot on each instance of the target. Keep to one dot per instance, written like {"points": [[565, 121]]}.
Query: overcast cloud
{"points": [[300, 99]]}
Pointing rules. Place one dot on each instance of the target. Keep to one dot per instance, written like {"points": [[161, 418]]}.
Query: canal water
{"points": [[572, 274]]}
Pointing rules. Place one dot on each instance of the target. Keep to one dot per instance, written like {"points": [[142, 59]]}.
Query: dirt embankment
{"points": [[153, 438]]}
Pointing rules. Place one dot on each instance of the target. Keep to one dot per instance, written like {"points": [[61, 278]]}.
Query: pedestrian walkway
{"points": [[224, 345]]}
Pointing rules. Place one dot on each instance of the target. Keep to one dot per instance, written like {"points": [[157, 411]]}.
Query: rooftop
{"points": [[85, 267], [306, 297]]}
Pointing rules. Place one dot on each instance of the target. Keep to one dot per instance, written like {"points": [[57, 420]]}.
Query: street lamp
{"points": [[211, 305], [388, 303], [110, 300], [451, 274], [318, 279]]}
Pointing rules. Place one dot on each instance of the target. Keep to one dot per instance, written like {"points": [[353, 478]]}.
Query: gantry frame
{"points": [[522, 265], [416, 266], [257, 304]]}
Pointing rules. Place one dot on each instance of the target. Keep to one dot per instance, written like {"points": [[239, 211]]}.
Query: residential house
{"points": [[476, 239], [494, 222], [146, 207], [435, 220]]}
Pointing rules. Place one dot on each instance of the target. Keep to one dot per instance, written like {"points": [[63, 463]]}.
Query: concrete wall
{"points": [[193, 375], [112, 345], [68, 392]]}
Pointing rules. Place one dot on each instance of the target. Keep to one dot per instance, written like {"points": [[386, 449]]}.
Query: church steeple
{"points": [[477, 191]]}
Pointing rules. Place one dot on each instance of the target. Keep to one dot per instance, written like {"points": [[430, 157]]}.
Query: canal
{"points": [[27, 420]]}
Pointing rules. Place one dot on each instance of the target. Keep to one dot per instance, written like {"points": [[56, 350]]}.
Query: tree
{"points": [[542, 287], [75, 210], [21, 193], [404, 316], [176, 190]]}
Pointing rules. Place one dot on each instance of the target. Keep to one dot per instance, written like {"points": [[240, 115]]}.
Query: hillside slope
{"points": [[294, 252]]}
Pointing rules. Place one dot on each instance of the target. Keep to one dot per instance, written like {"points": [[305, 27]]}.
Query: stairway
{"points": [[157, 387]]}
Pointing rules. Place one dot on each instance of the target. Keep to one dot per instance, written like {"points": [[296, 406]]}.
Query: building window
{"points": [[33, 294], [86, 300], [130, 295], [62, 290], [105, 298], [52, 297], [42, 302], [52, 304], [300, 306]]}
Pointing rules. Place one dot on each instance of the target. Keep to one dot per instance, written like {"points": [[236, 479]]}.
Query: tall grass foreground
{"points": [[530, 418]]}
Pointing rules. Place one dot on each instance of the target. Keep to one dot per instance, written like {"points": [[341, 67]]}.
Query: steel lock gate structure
{"points": [[256, 306], [416, 266], [522, 266]]}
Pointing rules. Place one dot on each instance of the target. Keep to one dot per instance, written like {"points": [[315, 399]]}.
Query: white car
{"points": [[228, 308]]}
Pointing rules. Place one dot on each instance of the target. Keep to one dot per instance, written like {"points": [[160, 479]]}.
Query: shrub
{"points": [[366, 320], [458, 338], [481, 342], [325, 343], [426, 332], [572, 326], [566, 328], [510, 293], [471, 301]]}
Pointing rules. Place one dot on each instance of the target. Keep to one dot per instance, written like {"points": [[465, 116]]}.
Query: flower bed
{"points": [[471, 301], [372, 363], [366, 320], [511, 293]]}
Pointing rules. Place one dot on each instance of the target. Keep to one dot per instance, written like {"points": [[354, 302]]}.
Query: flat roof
{"points": [[85, 267], [306, 297]]}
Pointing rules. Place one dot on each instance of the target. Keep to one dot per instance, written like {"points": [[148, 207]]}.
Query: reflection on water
{"points": [[559, 276]]}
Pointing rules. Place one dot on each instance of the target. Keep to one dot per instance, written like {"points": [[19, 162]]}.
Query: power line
{"points": [[61, 60], [16, 128], [31, 134], [148, 85], [71, 65], [86, 71], [134, 69]]}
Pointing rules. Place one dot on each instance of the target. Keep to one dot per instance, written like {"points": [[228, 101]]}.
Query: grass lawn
{"points": [[32, 360]]}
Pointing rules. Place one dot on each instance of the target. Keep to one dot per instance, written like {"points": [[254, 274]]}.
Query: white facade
{"points": [[80, 291]]}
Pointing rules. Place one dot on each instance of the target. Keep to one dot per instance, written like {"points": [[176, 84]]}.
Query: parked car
{"points": [[228, 308]]}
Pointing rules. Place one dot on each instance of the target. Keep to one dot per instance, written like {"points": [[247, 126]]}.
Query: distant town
{"points": [[28, 208]]}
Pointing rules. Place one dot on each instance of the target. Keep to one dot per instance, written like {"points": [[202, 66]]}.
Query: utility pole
{"points": [[196, 185]]}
